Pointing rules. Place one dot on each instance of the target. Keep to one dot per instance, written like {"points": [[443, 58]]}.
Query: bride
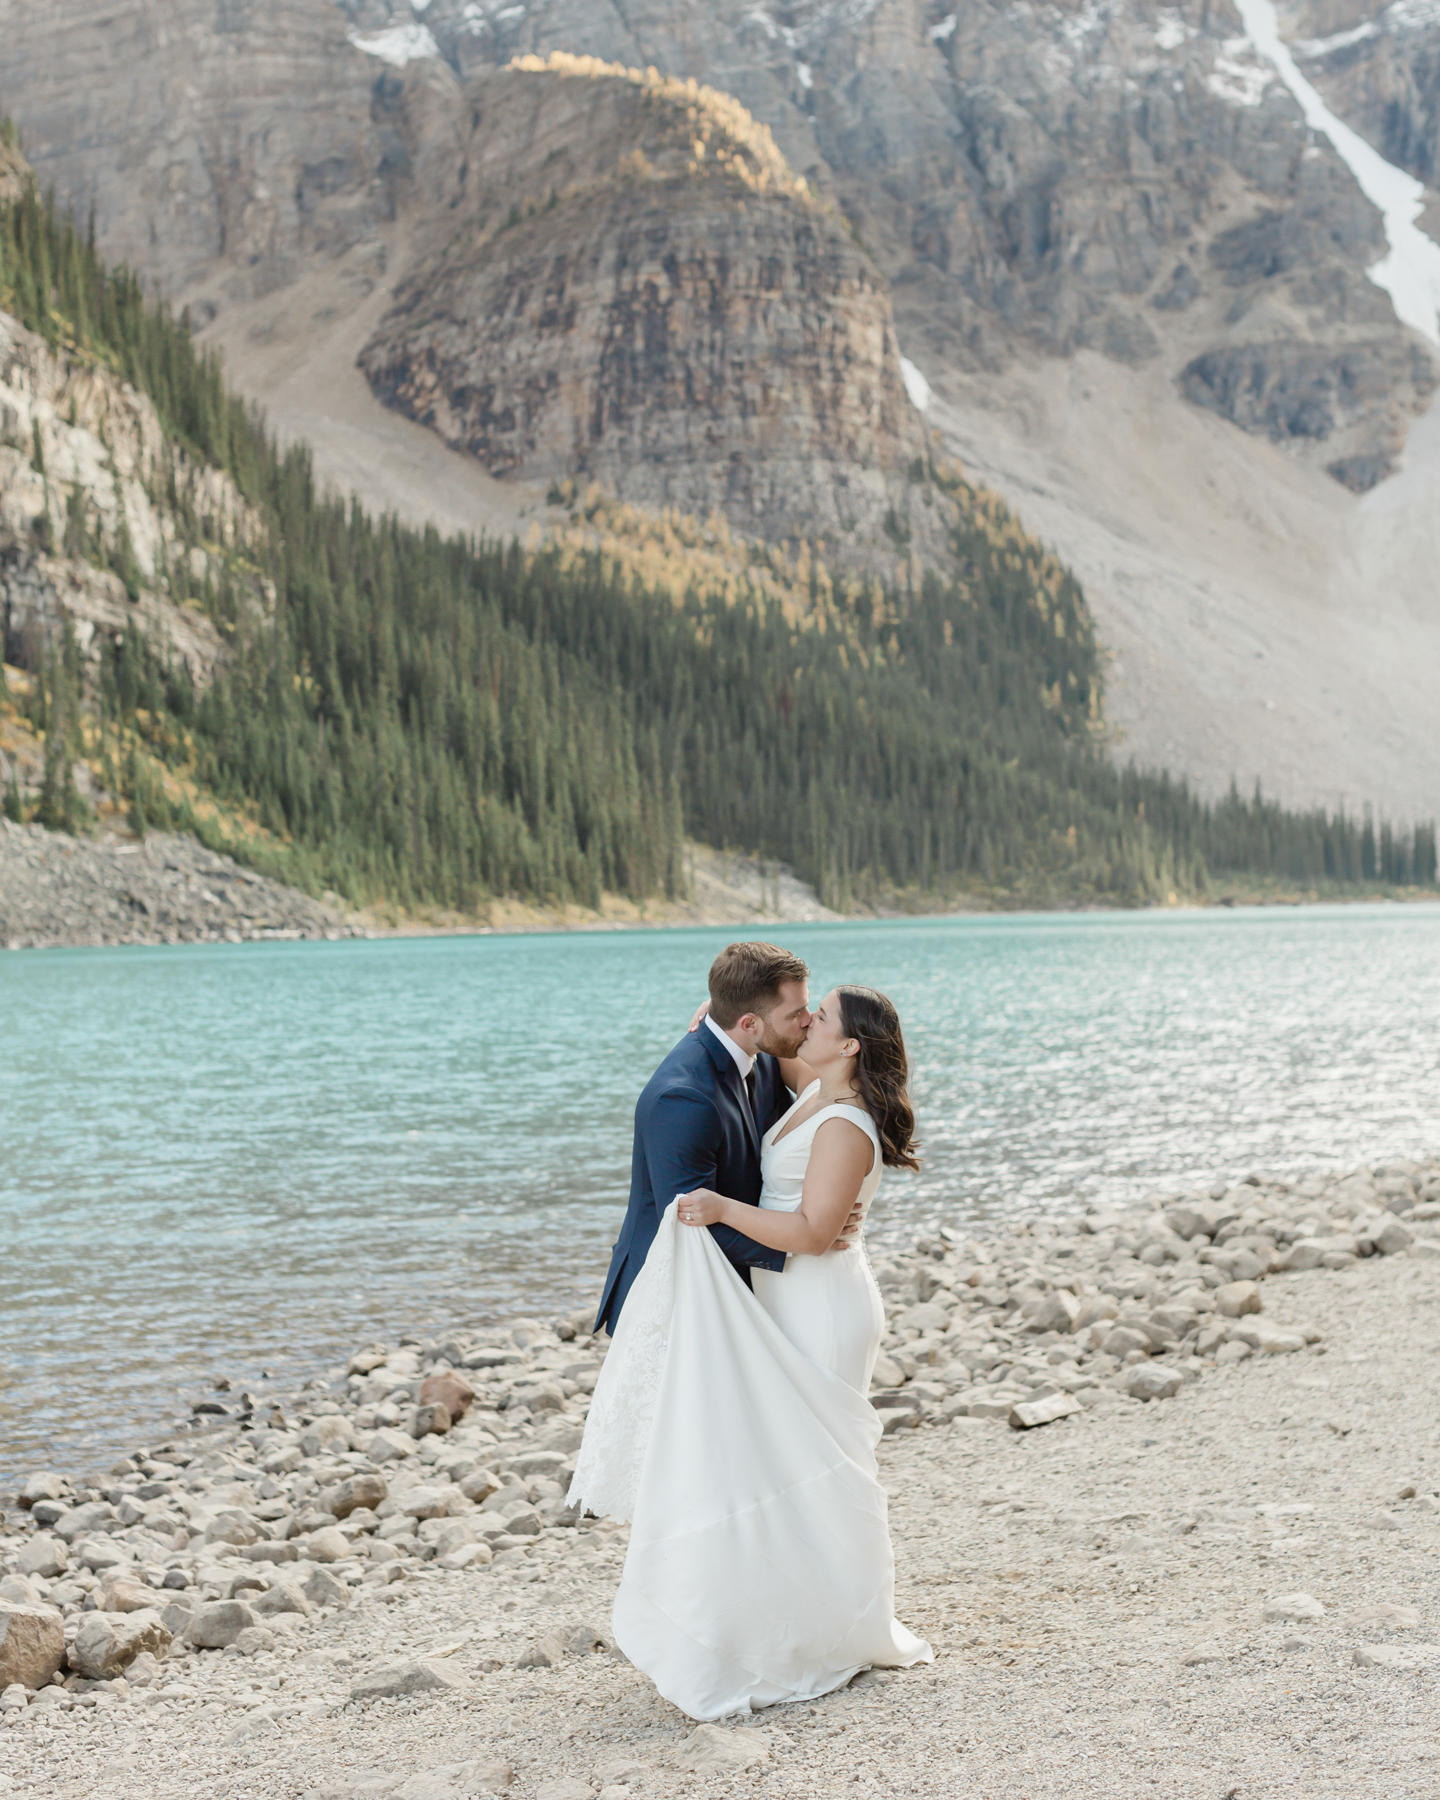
{"points": [[733, 1429]]}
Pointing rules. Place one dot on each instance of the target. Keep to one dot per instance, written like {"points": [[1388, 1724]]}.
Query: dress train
{"points": [[759, 1568]]}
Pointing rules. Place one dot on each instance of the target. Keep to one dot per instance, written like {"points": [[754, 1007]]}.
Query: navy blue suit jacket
{"points": [[694, 1129]]}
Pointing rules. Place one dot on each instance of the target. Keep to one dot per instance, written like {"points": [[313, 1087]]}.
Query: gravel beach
{"points": [[1227, 1588]]}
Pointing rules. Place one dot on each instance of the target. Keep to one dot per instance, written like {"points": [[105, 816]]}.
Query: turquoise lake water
{"points": [[235, 1159]]}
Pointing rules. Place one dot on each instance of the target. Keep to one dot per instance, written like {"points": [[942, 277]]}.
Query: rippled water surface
{"points": [[254, 1157]]}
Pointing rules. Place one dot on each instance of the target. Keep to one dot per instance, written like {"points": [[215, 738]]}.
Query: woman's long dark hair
{"points": [[881, 1071]]}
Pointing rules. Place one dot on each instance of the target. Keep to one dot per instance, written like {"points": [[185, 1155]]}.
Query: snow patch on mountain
{"points": [[1341, 40], [1412, 15], [1238, 76], [1171, 31], [399, 45], [1410, 273], [916, 386]]}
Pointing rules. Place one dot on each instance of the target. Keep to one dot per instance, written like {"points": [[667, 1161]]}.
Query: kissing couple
{"points": [[730, 1424]]}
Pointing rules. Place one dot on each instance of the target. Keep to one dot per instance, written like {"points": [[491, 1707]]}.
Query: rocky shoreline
{"points": [[62, 892], [58, 891], [389, 1549]]}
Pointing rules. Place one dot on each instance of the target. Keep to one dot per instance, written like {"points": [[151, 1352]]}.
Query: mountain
{"points": [[620, 279], [1136, 283], [196, 638]]}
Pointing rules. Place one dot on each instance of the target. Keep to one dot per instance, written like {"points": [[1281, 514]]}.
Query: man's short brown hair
{"points": [[746, 978]]}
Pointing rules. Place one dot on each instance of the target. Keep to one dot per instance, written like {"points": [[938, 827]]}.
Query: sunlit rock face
{"points": [[635, 289]]}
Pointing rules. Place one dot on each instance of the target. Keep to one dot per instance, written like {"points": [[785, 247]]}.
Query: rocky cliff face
{"points": [[634, 288], [223, 144], [89, 490]]}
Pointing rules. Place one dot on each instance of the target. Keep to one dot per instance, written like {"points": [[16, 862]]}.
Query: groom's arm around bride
{"points": [[702, 1114]]}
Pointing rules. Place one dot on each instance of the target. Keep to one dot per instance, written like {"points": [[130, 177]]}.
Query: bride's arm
{"points": [[840, 1159], [797, 1074]]}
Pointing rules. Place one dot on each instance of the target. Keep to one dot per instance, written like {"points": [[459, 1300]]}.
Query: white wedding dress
{"points": [[733, 1430]]}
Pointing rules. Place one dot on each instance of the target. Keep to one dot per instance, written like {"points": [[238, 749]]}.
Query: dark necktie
{"points": [[750, 1091]]}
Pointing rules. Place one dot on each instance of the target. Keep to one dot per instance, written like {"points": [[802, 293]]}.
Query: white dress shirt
{"points": [[744, 1061]]}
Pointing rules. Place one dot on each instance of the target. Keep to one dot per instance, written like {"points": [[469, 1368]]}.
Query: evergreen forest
{"points": [[437, 723]]}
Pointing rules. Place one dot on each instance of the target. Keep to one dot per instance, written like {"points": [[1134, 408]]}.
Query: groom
{"points": [[702, 1115]]}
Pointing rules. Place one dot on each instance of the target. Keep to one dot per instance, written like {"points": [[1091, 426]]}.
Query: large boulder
{"points": [[283, 1596], [1236, 1298], [107, 1643], [1149, 1382], [177, 1614], [128, 1595], [530, 1463], [449, 1390], [327, 1434], [1097, 1310], [925, 1316], [390, 1445], [712, 1750], [1392, 1237], [1055, 1311], [427, 1420], [32, 1644], [1192, 1218], [322, 1589], [423, 1676], [427, 1502], [232, 1527]]}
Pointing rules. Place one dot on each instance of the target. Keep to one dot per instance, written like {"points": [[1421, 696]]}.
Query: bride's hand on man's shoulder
{"points": [[698, 1015], [703, 1207]]}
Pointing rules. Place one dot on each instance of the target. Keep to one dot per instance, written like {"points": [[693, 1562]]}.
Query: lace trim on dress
{"points": [[622, 1408]]}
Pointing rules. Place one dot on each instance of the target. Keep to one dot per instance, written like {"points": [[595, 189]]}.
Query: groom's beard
{"points": [[775, 1044]]}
